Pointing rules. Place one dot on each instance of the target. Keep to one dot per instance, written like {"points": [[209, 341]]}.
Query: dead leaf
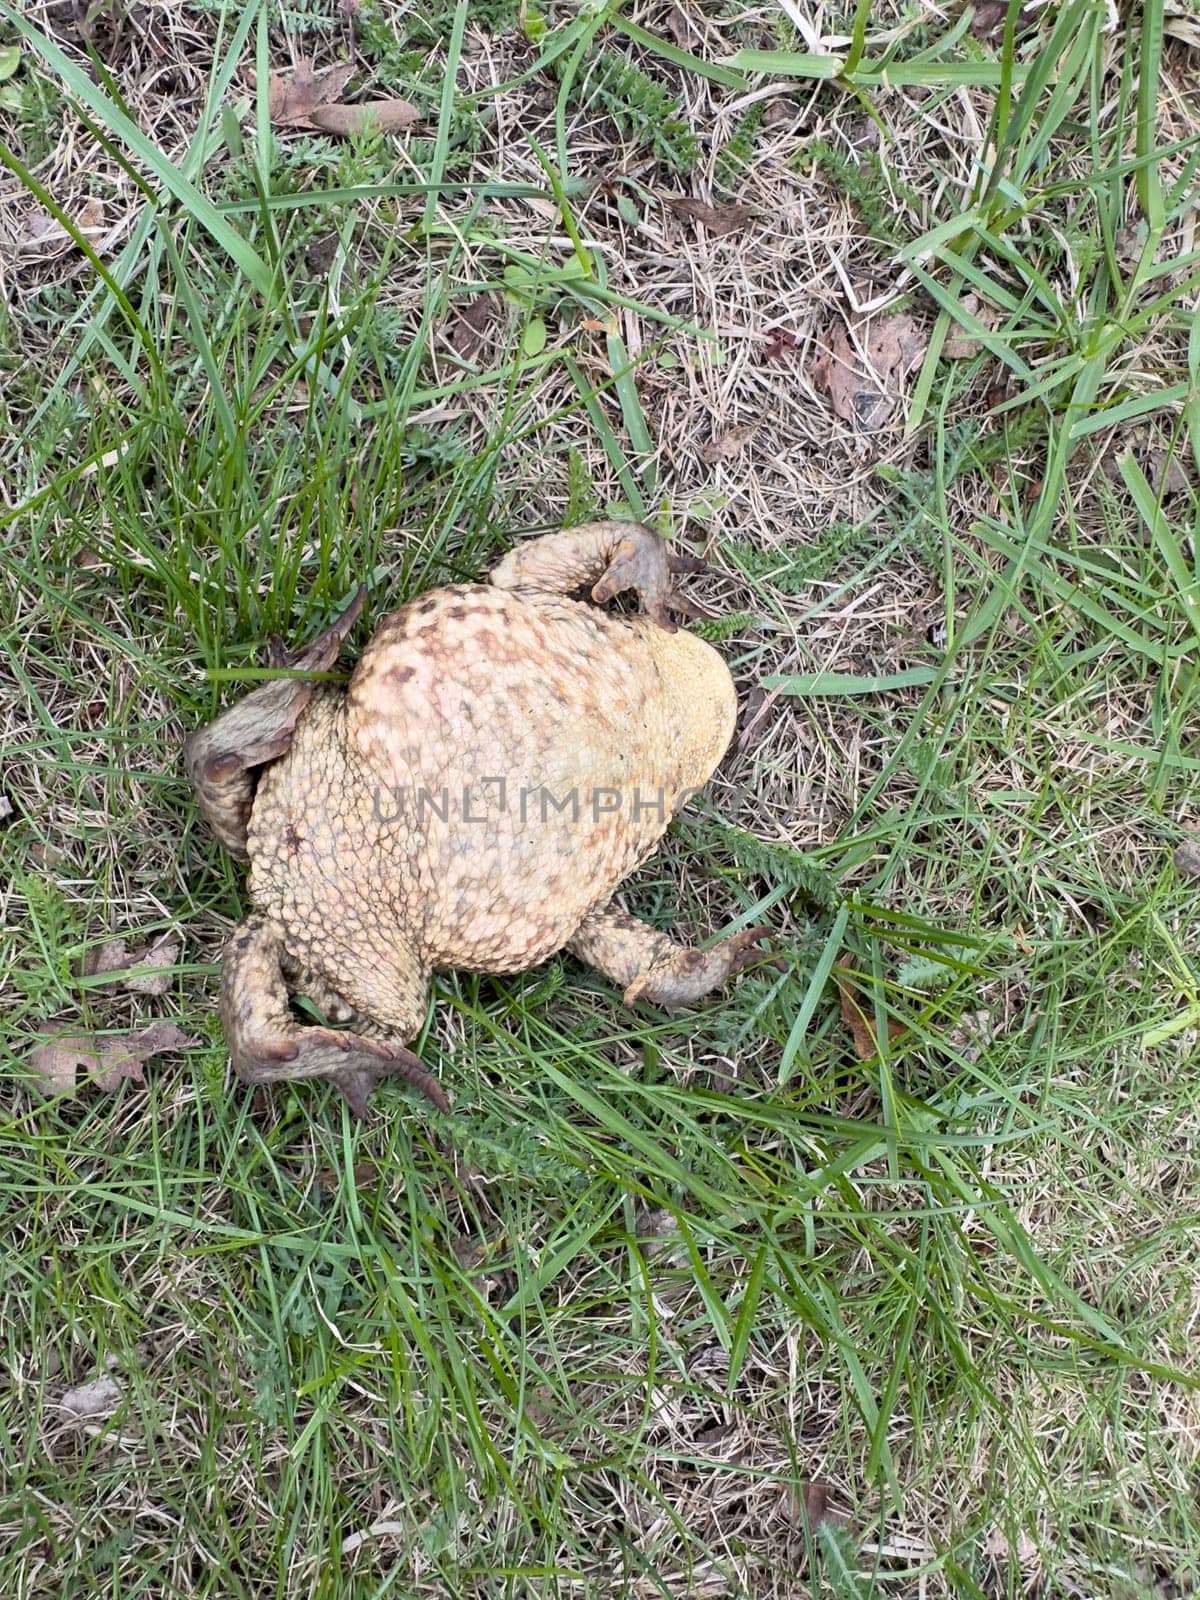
{"points": [[162, 953], [7, 809], [43, 236], [997, 1546], [816, 1502], [100, 1398], [961, 345], [987, 21], [330, 1178], [863, 379], [308, 101], [1165, 474], [468, 331], [1187, 856], [90, 218], [780, 112], [987, 24], [756, 705], [114, 956], [292, 101], [996, 394], [779, 342], [36, 225], [57, 1063], [718, 1434], [322, 253], [680, 28], [106, 957], [728, 445], [807, 1506], [1166, 470], [384, 116], [719, 220], [858, 1012], [655, 1230]]}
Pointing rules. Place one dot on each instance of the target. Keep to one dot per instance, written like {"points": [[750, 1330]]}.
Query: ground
{"points": [[774, 1299]]}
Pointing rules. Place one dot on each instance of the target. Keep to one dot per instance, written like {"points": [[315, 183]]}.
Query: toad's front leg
{"points": [[650, 966], [267, 1044], [609, 557]]}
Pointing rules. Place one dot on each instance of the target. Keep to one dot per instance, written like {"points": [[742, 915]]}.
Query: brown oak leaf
{"points": [[307, 101], [115, 956], [719, 220], [728, 445], [779, 342], [292, 101], [807, 1506], [467, 332], [1187, 855], [863, 375], [385, 116], [858, 1011], [987, 23], [57, 1062]]}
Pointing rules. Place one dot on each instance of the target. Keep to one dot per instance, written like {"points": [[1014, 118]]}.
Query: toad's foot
{"points": [[642, 564], [688, 974], [267, 1045], [652, 967], [611, 557], [364, 1069]]}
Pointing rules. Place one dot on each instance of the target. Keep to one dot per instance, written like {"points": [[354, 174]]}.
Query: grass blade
{"points": [[849, 684], [77, 83], [679, 57], [1187, 584]]}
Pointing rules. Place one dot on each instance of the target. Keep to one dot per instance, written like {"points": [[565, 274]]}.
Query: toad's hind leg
{"points": [[300, 980], [608, 557], [221, 757], [267, 1044], [649, 966]]}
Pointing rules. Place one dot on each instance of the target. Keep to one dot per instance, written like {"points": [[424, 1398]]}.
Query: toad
{"points": [[503, 756]]}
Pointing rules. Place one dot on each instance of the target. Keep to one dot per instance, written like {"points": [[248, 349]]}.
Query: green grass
{"points": [[487, 1356]]}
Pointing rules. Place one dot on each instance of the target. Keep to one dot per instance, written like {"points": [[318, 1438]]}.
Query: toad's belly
{"points": [[525, 759]]}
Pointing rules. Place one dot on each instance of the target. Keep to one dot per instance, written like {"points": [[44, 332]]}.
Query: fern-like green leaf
{"points": [[644, 109], [734, 155], [764, 858], [583, 503]]}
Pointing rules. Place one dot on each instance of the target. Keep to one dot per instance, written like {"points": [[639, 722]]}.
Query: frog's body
{"points": [[502, 758]]}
